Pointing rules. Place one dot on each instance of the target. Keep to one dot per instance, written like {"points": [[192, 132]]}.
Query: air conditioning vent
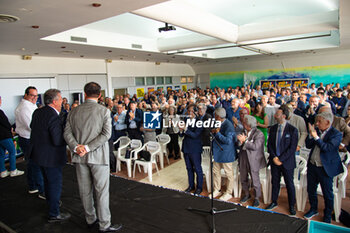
{"points": [[8, 18], [68, 52], [78, 39], [136, 46], [204, 55]]}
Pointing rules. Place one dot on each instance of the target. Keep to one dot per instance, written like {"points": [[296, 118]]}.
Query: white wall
{"points": [[281, 61], [71, 74], [12, 91]]}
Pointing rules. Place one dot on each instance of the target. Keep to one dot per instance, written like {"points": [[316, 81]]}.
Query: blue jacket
{"points": [[191, 143], [230, 113], [226, 137], [289, 142], [329, 151], [48, 148]]}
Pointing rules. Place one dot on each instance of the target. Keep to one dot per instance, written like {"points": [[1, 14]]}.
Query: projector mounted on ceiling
{"points": [[166, 28]]}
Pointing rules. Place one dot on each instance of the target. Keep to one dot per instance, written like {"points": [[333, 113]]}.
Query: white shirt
{"points": [[23, 114]]}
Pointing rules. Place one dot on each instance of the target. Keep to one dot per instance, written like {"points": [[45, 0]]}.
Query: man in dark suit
{"points": [[133, 121], [324, 163], [48, 150], [203, 116], [192, 149], [312, 110], [281, 145]]}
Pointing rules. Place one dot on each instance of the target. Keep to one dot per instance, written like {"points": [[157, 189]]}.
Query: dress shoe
{"points": [[33, 191], [91, 225], [327, 219], [245, 198], [271, 206], [198, 191], [113, 228], [310, 214], [59, 218], [292, 211], [189, 189], [42, 196], [256, 203]]}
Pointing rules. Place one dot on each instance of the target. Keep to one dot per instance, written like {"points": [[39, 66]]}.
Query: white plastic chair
{"points": [[180, 146], [163, 140], [339, 190], [155, 149], [237, 186], [304, 152], [300, 183], [265, 180], [206, 166], [135, 145], [124, 141], [345, 157]]}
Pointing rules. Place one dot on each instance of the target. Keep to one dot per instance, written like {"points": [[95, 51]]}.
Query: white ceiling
{"points": [[203, 28]]}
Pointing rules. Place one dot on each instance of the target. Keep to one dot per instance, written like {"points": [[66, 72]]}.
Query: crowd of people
{"points": [[280, 121]]}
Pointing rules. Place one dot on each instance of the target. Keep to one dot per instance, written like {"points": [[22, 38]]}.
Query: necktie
{"points": [[279, 135]]}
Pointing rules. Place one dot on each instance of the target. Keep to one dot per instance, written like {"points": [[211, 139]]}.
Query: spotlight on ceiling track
{"points": [[166, 28]]}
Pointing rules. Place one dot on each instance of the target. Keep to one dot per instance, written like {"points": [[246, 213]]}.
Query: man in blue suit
{"points": [[192, 149], [281, 145], [133, 121], [48, 150], [226, 137], [324, 163]]}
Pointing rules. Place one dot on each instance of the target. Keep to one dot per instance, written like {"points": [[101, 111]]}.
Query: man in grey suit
{"points": [[251, 157], [87, 131]]}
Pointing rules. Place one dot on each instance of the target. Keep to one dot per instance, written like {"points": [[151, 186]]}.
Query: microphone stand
{"points": [[212, 210]]}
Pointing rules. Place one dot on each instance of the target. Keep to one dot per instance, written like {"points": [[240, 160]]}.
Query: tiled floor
{"points": [[174, 176]]}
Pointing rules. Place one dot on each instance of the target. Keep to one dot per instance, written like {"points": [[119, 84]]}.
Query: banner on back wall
{"points": [[301, 76], [184, 87], [150, 90], [300, 83], [267, 84], [284, 83], [140, 92], [160, 89]]}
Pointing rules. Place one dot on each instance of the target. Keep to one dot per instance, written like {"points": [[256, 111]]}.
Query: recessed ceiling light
{"points": [[121, 58], [149, 54], [36, 53], [95, 4], [109, 51], [147, 59], [63, 47], [81, 55], [8, 18], [35, 26], [23, 49]]}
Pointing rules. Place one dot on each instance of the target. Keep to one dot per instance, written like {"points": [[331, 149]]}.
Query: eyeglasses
{"points": [[35, 96]]}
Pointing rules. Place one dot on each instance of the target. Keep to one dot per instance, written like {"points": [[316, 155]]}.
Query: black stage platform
{"points": [[139, 207]]}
